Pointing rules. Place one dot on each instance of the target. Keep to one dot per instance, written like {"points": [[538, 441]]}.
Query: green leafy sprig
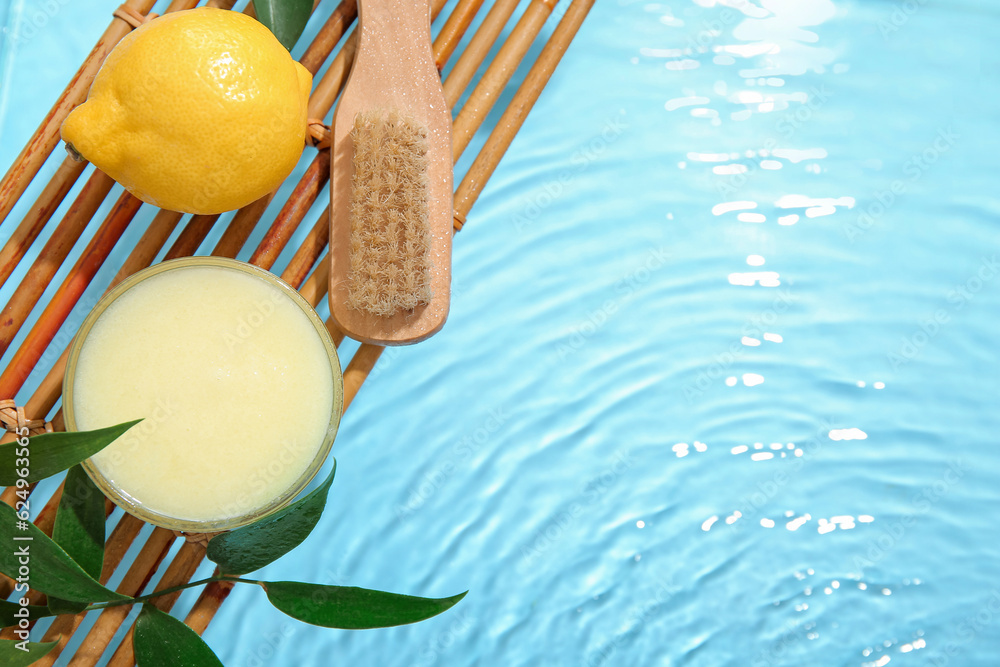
{"points": [[67, 567]]}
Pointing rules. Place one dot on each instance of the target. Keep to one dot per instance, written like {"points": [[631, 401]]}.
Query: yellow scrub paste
{"points": [[238, 387]]}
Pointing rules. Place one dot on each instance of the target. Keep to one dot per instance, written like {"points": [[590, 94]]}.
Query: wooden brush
{"points": [[391, 183]]}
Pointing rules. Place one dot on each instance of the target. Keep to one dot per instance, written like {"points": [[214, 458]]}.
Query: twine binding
{"points": [[131, 16], [318, 134], [195, 538], [15, 421]]}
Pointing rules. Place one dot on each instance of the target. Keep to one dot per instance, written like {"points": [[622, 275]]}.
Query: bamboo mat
{"points": [[307, 270]]}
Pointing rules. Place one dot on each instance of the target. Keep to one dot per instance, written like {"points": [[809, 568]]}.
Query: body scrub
{"points": [[237, 382]]}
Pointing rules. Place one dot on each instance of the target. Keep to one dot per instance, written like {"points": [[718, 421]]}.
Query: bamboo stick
{"points": [[138, 575], [207, 604], [335, 333], [68, 294], [524, 99], [118, 544], [9, 496], [498, 74], [34, 221], [45, 138], [241, 226], [314, 288], [290, 216], [152, 241], [358, 369], [329, 85], [310, 249], [180, 571], [452, 31], [51, 258], [63, 627], [477, 50], [194, 232], [48, 392], [329, 35]]}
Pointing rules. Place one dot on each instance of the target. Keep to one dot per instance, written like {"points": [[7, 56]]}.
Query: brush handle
{"points": [[395, 37]]}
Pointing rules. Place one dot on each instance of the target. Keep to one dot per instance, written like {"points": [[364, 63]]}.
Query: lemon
{"points": [[199, 111]]}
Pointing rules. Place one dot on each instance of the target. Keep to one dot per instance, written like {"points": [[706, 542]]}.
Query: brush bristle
{"points": [[390, 236]]}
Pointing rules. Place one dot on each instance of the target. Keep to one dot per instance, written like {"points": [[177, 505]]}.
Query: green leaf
{"points": [[285, 18], [79, 526], [252, 547], [49, 568], [352, 608], [12, 656], [79, 530], [50, 453], [58, 606], [9, 609], [160, 640]]}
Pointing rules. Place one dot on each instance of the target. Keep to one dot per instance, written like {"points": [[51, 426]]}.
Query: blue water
{"points": [[719, 385]]}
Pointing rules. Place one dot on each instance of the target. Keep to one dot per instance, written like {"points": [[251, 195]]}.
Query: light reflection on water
{"points": [[716, 388]]}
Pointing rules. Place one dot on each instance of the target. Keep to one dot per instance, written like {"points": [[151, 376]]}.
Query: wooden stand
{"points": [[308, 269]]}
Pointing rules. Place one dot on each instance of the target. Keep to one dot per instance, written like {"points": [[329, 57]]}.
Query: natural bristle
{"points": [[390, 236]]}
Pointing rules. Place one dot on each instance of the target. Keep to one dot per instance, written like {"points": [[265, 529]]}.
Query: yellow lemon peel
{"points": [[199, 111]]}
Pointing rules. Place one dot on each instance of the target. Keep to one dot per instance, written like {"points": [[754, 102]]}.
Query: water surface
{"points": [[719, 383]]}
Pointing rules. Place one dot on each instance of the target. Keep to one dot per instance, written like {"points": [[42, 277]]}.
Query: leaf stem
{"points": [[166, 591]]}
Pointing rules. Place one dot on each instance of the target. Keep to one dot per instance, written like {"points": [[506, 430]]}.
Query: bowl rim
{"points": [[133, 506]]}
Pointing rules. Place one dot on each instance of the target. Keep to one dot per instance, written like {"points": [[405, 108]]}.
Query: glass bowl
{"points": [[133, 505]]}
